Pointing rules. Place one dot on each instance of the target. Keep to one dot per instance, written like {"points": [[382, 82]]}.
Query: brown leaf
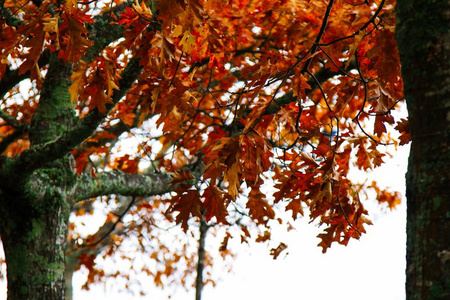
{"points": [[214, 204], [187, 204], [275, 252]]}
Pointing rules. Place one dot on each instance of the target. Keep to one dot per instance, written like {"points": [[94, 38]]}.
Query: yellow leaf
{"points": [[78, 79], [177, 31], [231, 176], [187, 41], [50, 24], [70, 3], [354, 46], [111, 77], [142, 9]]}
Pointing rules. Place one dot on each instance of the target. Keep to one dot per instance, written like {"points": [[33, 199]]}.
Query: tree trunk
{"points": [[34, 238], [423, 36], [201, 258], [34, 203]]}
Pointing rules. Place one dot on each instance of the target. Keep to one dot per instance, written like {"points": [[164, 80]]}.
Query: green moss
{"points": [[49, 271], [38, 226], [17, 262], [437, 202], [24, 290], [436, 291], [103, 33]]}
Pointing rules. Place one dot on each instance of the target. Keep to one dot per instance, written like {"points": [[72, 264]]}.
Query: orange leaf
{"points": [[296, 207], [74, 42], [78, 79], [232, 177], [264, 237]]}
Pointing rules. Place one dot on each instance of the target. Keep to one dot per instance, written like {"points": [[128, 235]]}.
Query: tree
{"points": [[424, 50], [221, 97]]}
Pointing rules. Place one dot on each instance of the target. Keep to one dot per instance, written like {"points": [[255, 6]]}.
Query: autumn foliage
{"points": [[225, 96]]}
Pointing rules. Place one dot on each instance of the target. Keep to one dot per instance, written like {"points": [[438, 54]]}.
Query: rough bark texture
{"points": [[34, 242], [34, 207], [423, 35]]}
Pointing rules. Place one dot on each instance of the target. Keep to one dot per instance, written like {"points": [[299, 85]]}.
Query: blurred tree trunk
{"points": [[201, 258], [423, 36]]}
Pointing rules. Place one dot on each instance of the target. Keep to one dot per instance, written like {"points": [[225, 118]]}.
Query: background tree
{"points": [[183, 109], [423, 34]]}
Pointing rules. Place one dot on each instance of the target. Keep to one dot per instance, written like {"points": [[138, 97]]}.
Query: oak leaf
{"points": [[405, 134], [214, 204], [259, 209], [186, 204]]}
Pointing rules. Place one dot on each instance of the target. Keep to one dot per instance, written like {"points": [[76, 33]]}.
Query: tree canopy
{"points": [[190, 107]]}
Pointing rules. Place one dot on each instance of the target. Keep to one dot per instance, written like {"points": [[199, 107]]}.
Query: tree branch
{"points": [[7, 140], [39, 155], [12, 77], [320, 77], [103, 33], [201, 258], [101, 239], [10, 120], [119, 183]]}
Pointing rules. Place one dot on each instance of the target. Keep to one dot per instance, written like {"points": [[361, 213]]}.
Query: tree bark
{"points": [[423, 36], [34, 232]]}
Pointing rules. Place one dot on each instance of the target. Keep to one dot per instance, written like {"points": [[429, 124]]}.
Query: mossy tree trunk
{"points": [[423, 34], [34, 239], [35, 207]]}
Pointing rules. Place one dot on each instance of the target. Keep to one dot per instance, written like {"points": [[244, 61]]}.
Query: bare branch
{"points": [[119, 183]]}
